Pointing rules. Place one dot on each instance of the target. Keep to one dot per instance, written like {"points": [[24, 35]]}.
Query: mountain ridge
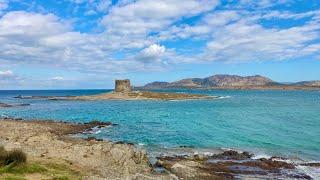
{"points": [[225, 81]]}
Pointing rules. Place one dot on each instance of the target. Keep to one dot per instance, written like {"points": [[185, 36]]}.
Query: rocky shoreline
{"points": [[95, 158]]}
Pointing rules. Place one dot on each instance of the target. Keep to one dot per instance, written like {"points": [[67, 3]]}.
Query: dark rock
{"points": [[234, 155], [311, 164], [93, 139], [5, 105], [225, 165], [24, 104], [122, 142], [99, 124], [184, 146], [301, 176]]}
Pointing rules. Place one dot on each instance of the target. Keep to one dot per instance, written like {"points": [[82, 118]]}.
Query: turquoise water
{"points": [[272, 122]]}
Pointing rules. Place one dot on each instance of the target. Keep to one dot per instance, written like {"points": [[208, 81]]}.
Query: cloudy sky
{"points": [[58, 44]]}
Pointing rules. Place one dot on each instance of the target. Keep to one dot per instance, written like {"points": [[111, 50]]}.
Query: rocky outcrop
{"points": [[50, 140], [228, 165], [4, 105]]}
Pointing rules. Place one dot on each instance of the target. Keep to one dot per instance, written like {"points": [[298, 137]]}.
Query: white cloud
{"points": [[103, 5], [261, 4], [229, 34], [145, 16], [152, 53], [239, 36], [57, 78], [37, 38], [4, 4], [6, 73]]}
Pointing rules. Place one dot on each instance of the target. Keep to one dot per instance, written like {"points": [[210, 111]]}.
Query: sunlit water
{"points": [[270, 122]]}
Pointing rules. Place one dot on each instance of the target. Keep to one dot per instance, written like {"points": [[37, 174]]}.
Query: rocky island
{"points": [[225, 81], [123, 91]]}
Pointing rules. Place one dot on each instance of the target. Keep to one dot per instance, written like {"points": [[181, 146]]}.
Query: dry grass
{"points": [[16, 156]]}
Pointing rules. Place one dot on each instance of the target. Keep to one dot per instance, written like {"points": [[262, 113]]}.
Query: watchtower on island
{"points": [[122, 86]]}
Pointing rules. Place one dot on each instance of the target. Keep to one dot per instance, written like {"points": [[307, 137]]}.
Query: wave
{"points": [[224, 97]]}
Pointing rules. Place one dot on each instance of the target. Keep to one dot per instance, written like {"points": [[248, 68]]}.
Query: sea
{"points": [[267, 123]]}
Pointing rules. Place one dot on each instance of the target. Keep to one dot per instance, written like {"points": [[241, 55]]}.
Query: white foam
{"points": [[313, 172], [259, 156], [224, 97]]}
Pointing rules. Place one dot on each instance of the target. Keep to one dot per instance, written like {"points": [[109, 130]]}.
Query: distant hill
{"points": [[308, 83], [230, 82]]}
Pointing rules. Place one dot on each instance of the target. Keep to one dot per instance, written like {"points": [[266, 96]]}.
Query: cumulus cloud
{"points": [[239, 36], [146, 15], [152, 53], [44, 38], [132, 31]]}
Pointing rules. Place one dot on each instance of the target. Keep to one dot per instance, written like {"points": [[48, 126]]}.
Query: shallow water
{"points": [[264, 122]]}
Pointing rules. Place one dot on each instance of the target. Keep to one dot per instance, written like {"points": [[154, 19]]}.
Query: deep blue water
{"points": [[273, 122]]}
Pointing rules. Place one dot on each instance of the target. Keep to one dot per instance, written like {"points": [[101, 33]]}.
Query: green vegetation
{"points": [[13, 166]]}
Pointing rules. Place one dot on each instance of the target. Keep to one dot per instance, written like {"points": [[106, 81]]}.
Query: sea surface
{"points": [[264, 122]]}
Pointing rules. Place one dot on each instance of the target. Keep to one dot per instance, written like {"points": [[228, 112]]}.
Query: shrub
{"points": [[3, 155], [15, 156]]}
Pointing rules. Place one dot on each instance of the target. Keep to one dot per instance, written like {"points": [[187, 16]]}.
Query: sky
{"points": [[87, 44]]}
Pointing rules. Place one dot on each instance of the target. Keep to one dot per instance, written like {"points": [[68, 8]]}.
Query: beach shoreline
{"points": [[46, 140]]}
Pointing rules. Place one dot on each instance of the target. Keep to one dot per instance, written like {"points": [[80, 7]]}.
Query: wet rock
{"points": [[4, 105], [300, 176], [233, 155], [98, 124], [93, 139], [122, 142], [311, 164], [225, 165], [184, 146]]}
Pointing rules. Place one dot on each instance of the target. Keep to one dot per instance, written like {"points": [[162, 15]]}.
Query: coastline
{"points": [[51, 141], [274, 87], [141, 95], [93, 158]]}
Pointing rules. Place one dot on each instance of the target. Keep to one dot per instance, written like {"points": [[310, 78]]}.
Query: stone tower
{"points": [[122, 86]]}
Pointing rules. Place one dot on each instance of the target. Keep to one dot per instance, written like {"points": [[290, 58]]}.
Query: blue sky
{"points": [[70, 44]]}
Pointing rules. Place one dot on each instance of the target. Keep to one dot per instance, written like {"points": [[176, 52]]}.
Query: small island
{"points": [[123, 91]]}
